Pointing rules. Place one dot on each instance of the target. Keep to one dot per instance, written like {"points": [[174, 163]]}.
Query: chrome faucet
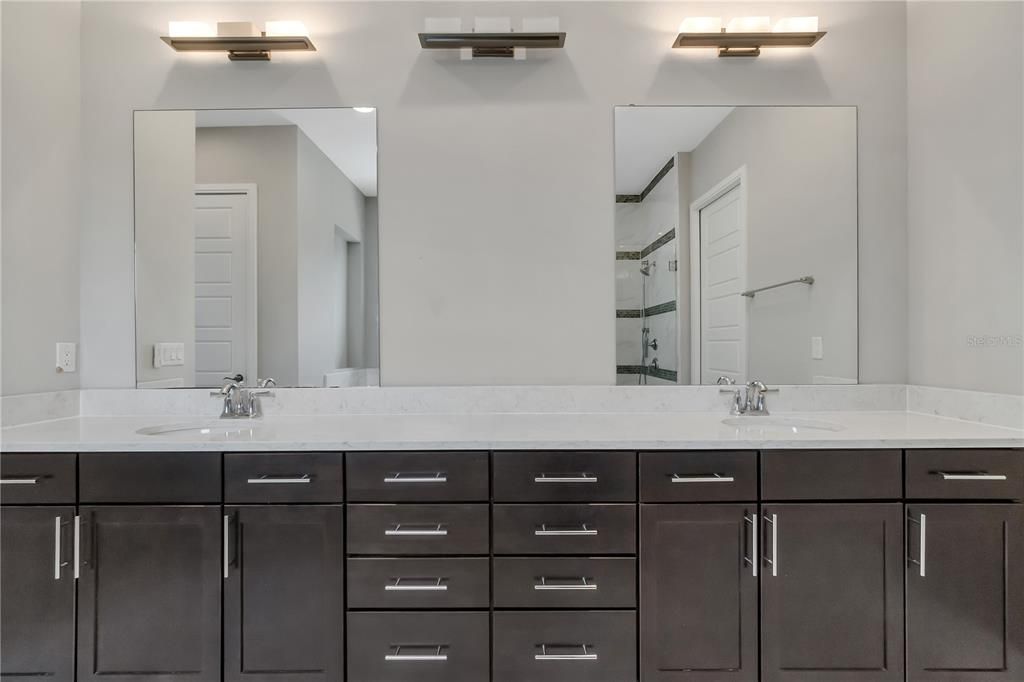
{"points": [[239, 402], [749, 399]]}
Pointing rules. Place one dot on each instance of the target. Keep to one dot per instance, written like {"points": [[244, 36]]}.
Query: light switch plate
{"points": [[168, 355], [66, 357], [817, 352]]}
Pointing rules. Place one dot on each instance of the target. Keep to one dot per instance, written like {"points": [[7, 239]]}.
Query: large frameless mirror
{"points": [[256, 247], [736, 244]]}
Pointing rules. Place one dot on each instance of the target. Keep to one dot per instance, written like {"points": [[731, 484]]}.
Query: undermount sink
{"points": [[788, 424], [214, 428]]}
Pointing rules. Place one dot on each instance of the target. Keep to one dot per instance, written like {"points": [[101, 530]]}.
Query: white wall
{"points": [[327, 202], [801, 166], [165, 246], [966, 221], [267, 156], [499, 174], [39, 208]]}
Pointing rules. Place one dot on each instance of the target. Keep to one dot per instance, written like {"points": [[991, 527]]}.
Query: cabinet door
{"points": [[284, 604], [698, 593], [37, 590], [149, 594], [965, 593], [832, 593]]}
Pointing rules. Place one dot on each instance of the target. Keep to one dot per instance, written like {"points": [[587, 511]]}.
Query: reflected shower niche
{"points": [[736, 245], [256, 247]]}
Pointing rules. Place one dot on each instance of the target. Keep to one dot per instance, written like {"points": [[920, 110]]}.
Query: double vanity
{"points": [[735, 553]]}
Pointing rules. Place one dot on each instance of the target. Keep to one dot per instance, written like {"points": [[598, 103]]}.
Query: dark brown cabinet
{"points": [[284, 593], [37, 621], [149, 594], [965, 593], [832, 593], [698, 600]]}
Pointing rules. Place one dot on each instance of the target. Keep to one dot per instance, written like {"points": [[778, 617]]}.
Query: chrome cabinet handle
{"points": [[22, 480], [970, 476], [702, 478], [587, 653], [227, 545], [417, 585], [417, 477], [581, 529], [774, 561], [922, 525], [421, 530], [581, 477], [270, 478], [77, 557], [56, 548], [565, 584], [439, 652], [752, 560]]}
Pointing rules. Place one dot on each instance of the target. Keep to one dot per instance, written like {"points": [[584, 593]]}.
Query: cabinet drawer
{"points": [[417, 477], [565, 582], [149, 477], [418, 647], [700, 476], [831, 474], [419, 583], [418, 529], [307, 477], [567, 646], [538, 476], [37, 478], [965, 474], [564, 529]]}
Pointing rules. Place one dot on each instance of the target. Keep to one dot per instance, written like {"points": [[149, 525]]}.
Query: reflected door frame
{"points": [[249, 190], [735, 180]]}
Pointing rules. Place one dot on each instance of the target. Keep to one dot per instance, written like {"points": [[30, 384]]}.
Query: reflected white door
{"points": [[723, 312], [225, 286]]}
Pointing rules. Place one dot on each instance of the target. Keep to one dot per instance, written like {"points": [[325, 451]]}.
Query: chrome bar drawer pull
{"points": [[416, 585], [270, 478], [56, 548], [77, 557], [922, 525], [565, 584], [20, 480], [586, 652], [752, 560], [546, 531], [417, 530], [773, 521], [418, 653], [702, 478], [970, 476], [417, 477], [581, 477]]}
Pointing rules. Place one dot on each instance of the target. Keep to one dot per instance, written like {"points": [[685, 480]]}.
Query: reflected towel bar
{"points": [[806, 279]]}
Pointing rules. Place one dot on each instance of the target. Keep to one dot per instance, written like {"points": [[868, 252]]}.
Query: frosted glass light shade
{"points": [[748, 25], [701, 25], [797, 25], [190, 29], [286, 28]]}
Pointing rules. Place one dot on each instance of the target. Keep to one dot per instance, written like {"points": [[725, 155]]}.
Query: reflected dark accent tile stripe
{"points": [[666, 374], [666, 307], [658, 243], [637, 198], [628, 313], [628, 198], [627, 255], [629, 369]]}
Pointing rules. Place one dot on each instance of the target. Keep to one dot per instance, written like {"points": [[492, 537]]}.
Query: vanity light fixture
{"points": [[238, 39], [745, 36], [492, 36]]}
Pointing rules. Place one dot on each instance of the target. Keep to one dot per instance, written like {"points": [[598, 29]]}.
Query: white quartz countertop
{"points": [[509, 431]]}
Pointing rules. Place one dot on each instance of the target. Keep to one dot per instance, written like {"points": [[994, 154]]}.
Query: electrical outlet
{"points": [[817, 352], [66, 360]]}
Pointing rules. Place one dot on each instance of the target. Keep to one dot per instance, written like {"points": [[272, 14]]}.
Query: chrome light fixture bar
{"points": [[745, 36], [241, 48], [492, 44]]}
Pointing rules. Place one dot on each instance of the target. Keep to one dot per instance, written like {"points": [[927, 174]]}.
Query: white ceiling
{"points": [[646, 137], [347, 137]]}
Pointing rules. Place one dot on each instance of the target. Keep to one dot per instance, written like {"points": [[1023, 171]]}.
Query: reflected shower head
{"points": [[646, 267]]}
